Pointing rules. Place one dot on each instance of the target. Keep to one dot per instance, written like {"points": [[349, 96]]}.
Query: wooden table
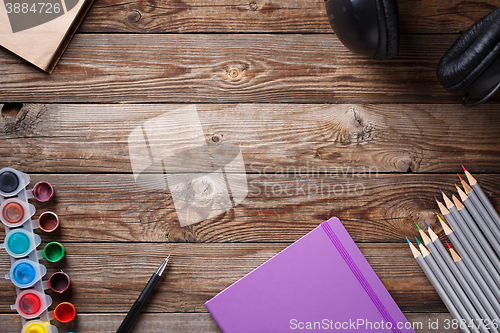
{"points": [[271, 77]]}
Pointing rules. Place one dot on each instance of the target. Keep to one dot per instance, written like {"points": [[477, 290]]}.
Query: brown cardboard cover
{"points": [[39, 35]]}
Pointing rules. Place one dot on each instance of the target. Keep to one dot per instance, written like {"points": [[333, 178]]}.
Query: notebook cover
{"points": [[309, 286]]}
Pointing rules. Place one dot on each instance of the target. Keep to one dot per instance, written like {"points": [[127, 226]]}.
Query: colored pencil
{"points": [[435, 283], [452, 279], [479, 206], [477, 297], [482, 197], [458, 222], [493, 235], [484, 297], [474, 264], [467, 219], [429, 259]]}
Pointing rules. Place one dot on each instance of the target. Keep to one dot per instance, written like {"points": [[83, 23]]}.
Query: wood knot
{"points": [[233, 73], [134, 16], [216, 138], [253, 5]]}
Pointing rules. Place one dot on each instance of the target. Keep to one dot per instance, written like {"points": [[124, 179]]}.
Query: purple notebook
{"points": [[321, 282]]}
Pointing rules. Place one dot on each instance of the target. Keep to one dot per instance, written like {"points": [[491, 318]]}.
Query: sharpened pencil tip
{"points": [[436, 199], [418, 227], [418, 242], [460, 177], [408, 240], [426, 226], [441, 192], [439, 218], [464, 168], [449, 247]]}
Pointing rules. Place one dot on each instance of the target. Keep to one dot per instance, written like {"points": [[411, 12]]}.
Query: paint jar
{"points": [[48, 221], [19, 242], [12, 182], [43, 191], [53, 251], [59, 282], [31, 303], [38, 326], [64, 312], [24, 273], [14, 212]]}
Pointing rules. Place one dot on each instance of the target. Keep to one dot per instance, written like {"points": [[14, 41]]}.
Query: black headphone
{"points": [[471, 66]]}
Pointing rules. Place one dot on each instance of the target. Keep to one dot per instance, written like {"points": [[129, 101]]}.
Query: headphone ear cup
{"points": [[388, 20], [471, 54]]}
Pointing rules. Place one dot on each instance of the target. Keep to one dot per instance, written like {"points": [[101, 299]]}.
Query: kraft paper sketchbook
{"points": [[39, 30], [322, 282]]}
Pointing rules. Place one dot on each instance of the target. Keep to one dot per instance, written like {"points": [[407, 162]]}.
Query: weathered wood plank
{"points": [[228, 68], [270, 16], [383, 208], [107, 278], [90, 138], [187, 322]]}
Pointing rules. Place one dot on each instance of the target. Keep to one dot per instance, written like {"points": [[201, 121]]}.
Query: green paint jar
{"points": [[53, 251]]}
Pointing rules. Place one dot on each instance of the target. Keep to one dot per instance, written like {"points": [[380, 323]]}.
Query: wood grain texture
{"points": [[90, 138], [242, 68], [187, 322], [268, 16], [107, 278], [383, 208]]}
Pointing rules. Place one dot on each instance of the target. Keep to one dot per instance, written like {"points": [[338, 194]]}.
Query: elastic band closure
{"points": [[362, 280]]}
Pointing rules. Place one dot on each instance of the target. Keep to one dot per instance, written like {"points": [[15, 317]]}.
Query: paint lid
{"points": [[19, 243], [37, 326], [12, 181], [9, 182], [43, 191], [31, 303], [24, 273], [59, 282], [64, 312], [53, 251], [14, 212], [48, 221]]}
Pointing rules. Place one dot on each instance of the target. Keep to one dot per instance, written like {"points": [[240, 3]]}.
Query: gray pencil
{"points": [[443, 258], [462, 267], [480, 207], [488, 291], [435, 283], [481, 264], [482, 197], [493, 235], [429, 259], [476, 233], [480, 249]]}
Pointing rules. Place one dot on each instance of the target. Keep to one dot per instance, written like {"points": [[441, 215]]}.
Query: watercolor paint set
{"points": [[21, 243]]}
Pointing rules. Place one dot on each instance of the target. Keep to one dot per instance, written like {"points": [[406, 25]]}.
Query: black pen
{"points": [[136, 308]]}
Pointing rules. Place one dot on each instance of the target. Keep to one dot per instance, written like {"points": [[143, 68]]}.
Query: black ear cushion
{"points": [[471, 54], [390, 17]]}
